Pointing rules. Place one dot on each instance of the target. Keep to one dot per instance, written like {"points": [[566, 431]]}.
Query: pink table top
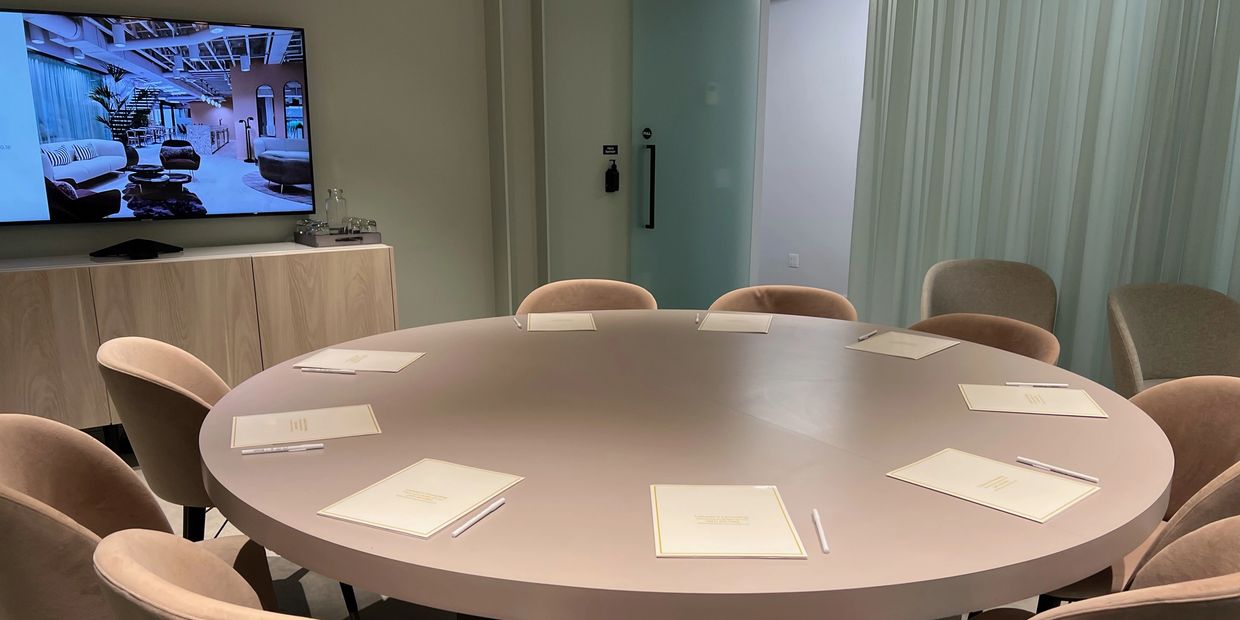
{"points": [[591, 419]]}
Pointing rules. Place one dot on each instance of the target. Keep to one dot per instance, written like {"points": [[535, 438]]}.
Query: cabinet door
{"points": [[49, 336], [311, 300], [204, 306]]}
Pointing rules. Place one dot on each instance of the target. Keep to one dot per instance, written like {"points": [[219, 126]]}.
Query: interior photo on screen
{"points": [[121, 118]]}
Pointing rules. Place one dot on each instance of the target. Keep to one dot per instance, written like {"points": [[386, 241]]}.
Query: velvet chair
{"points": [[61, 491], [162, 394], [995, 331], [1167, 331], [179, 155], [147, 575], [983, 286], [785, 299], [1197, 577], [1201, 417], [586, 295]]}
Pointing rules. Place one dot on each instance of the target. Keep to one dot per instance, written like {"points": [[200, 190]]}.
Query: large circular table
{"points": [[591, 419]]}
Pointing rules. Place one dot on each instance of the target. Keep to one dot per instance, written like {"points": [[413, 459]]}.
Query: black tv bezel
{"points": [[220, 216]]}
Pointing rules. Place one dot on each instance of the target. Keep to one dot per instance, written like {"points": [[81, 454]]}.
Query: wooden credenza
{"points": [[239, 308]]}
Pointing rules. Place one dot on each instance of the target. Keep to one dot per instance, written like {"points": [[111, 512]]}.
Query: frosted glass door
{"points": [[695, 84]]}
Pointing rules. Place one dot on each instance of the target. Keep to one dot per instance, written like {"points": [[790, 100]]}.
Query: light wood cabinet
{"points": [[310, 301], [205, 307], [47, 361], [240, 309]]}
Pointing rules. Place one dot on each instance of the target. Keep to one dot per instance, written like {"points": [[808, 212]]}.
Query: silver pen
{"points": [[329, 371], [867, 335], [697, 318], [1058, 470], [273, 449], [517, 321], [1036, 384]]}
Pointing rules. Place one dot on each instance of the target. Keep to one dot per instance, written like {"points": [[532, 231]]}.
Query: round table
{"points": [[591, 419]]}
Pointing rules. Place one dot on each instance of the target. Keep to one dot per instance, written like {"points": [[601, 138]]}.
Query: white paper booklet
{"points": [[1014, 489], [559, 322], [1038, 400], [299, 426], [361, 361], [423, 498], [742, 322], [722, 521], [900, 344]]}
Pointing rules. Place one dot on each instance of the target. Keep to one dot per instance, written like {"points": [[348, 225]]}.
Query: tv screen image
{"points": [[120, 118]]}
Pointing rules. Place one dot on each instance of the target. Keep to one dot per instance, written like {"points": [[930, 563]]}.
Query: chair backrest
{"points": [[985, 286], [151, 575], [1218, 500], [60, 492], [1201, 418], [786, 299], [1195, 578], [995, 331], [162, 394], [585, 295], [1168, 331]]}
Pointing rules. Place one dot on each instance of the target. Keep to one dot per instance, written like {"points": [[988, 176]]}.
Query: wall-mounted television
{"points": [[109, 117]]}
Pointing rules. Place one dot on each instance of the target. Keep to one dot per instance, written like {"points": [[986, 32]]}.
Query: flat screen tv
{"points": [[108, 117]]}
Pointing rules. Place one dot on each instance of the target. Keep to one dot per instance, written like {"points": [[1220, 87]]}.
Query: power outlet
{"points": [[794, 261]]}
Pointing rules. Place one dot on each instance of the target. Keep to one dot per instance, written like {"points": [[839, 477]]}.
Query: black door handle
{"points": [[650, 147]]}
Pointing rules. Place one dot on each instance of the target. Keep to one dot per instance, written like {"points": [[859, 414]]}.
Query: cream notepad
{"points": [[722, 521], [361, 361], [559, 322], [309, 425], [900, 344], [423, 498], [1014, 489], [1039, 400], [742, 322]]}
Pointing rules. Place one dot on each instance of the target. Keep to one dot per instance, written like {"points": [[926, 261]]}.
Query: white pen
{"points": [[1036, 384], [273, 449], [1058, 470], [517, 321], [478, 517], [697, 318], [330, 371], [867, 335], [822, 535]]}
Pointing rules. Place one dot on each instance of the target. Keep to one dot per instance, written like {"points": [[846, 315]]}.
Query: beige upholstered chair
{"points": [[786, 299], [162, 394], [999, 332], [586, 295], [1167, 331], [1197, 577], [1201, 417], [149, 575], [60, 492], [984, 286]]}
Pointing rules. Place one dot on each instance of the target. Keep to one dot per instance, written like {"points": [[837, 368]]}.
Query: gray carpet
{"points": [[294, 193]]}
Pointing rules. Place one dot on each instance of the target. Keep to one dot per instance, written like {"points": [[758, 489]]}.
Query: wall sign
{"points": [[611, 149]]}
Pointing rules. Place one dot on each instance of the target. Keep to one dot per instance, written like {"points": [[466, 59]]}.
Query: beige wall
{"points": [[397, 94], [587, 102]]}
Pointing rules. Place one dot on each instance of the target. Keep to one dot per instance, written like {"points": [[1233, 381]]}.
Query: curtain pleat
{"points": [[1095, 139], [62, 101]]}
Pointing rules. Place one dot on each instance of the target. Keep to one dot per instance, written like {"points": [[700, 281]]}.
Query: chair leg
{"points": [[350, 599], [193, 523], [1047, 602]]}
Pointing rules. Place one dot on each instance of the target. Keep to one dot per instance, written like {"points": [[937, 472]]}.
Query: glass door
{"points": [[695, 91]]}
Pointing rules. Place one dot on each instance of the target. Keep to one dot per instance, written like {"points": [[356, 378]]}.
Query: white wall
{"points": [[815, 71], [398, 103]]}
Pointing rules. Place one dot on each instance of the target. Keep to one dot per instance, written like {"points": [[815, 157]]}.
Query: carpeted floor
{"points": [[295, 193]]}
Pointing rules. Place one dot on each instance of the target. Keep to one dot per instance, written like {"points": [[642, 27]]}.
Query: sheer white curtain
{"points": [[62, 100], [1096, 139]]}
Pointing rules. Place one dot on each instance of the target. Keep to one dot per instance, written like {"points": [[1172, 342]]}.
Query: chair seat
{"points": [[250, 560], [1112, 579]]}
